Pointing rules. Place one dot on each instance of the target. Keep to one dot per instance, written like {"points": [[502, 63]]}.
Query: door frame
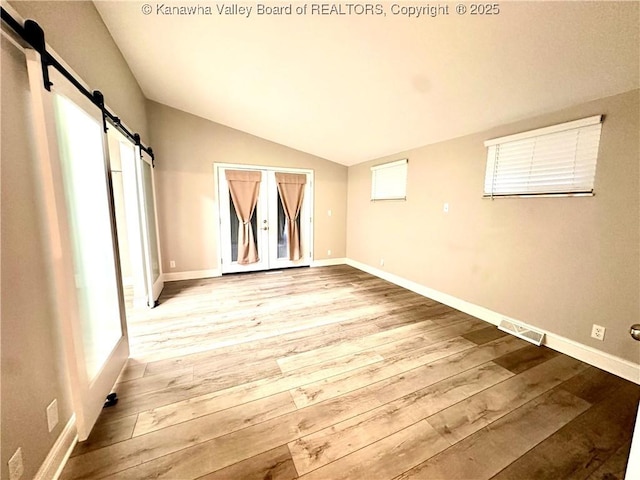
{"points": [[219, 166], [154, 287], [145, 290], [117, 143]]}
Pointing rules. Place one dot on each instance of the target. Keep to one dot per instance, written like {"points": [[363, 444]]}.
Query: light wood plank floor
{"points": [[331, 373]]}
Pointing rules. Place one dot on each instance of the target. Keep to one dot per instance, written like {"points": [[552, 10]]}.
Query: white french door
{"points": [[268, 221], [75, 174]]}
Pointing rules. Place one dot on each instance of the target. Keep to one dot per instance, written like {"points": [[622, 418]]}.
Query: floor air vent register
{"points": [[522, 331]]}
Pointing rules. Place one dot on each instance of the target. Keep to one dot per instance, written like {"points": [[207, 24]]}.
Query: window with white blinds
{"points": [[556, 160], [389, 181]]}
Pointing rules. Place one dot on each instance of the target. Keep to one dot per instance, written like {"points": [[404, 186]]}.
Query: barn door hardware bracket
{"points": [[34, 35]]}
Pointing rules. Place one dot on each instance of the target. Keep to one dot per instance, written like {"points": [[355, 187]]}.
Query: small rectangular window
{"points": [[556, 160], [389, 181]]}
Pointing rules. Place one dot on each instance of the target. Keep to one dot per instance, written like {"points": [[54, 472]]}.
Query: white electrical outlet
{"points": [[172, 264], [329, 253], [52, 415], [329, 213], [382, 262], [445, 208], [16, 468], [597, 332]]}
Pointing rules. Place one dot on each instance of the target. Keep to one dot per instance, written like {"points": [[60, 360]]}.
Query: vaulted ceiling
{"points": [[350, 88]]}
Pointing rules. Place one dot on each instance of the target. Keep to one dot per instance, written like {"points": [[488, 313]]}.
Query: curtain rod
{"points": [[33, 34]]}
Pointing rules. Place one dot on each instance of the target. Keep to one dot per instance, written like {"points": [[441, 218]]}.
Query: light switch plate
{"points": [[52, 415]]}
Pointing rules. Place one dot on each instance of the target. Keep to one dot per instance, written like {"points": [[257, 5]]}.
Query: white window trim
{"points": [[561, 127], [382, 167]]}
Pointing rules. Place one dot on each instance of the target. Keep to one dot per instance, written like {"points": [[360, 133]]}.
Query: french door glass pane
{"points": [[151, 220], [235, 224], [233, 220], [85, 186], [282, 231]]}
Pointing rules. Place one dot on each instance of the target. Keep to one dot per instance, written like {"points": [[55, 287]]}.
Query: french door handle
{"points": [[635, 331], [265, 228]]}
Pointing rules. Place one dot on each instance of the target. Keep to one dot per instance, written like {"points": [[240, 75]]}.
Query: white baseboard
{"points": [[327, 262], [193, 275], [454, 302], [52, 466], [610, 363], [197, 274]]}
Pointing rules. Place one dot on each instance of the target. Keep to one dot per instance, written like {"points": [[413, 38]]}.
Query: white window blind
{"points": [[389, 181], [560, 159]]}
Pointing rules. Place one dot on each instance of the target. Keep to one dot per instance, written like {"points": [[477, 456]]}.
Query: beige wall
{"points": [[77, 34], [186, 148], [561, 264], [33, 369]]}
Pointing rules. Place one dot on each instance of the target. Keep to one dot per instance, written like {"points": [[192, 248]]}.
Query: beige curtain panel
{"points": [[291, 188], [244, 186]]}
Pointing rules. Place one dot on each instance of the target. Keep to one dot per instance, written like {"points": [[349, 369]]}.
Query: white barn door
{"points": [[75, 174]]}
